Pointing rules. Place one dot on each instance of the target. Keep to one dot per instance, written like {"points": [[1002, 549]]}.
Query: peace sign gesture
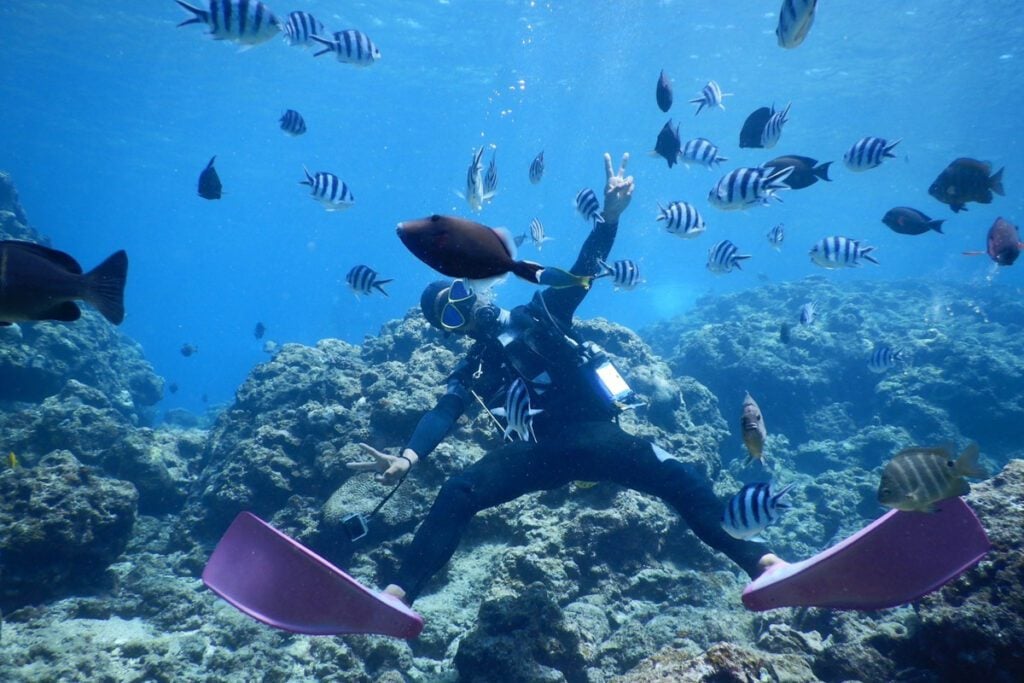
{"points": [[618, 189]]}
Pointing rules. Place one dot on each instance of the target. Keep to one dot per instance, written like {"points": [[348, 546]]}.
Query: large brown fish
{"points": [[466, 249], [39, 283], [1004, 243], [967, 180], [917, 478], [752, 425]]}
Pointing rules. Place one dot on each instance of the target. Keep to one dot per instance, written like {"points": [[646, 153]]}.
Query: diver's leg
{"points": [[498, 477]]}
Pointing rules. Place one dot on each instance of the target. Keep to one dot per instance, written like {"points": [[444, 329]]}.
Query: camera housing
{"points": [[355, 526]]}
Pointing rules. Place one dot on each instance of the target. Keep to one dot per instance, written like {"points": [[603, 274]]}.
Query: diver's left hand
{"points": [[618, 189]]}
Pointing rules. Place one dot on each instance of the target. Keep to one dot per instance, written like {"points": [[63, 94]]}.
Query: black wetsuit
{"points": [[577, 439]]}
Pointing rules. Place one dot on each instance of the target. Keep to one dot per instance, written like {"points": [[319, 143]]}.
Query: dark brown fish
{"points": [[664, 92], [1004, 243], [967, 180], [668, 144], [806, 171], [908, 221], [189, 349], [259, 331], [39, 283], [750, 135], [209, 182], [460, 248]]}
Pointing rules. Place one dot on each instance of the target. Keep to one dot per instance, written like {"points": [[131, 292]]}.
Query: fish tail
{"points": [[821, 170], [967, 463], [865, 253], [528, 270], [328, 45], [936, 225], [200, 16], [887, 152], [379, 285], [973, 253], [605, 271], [309, 178], [104, 286], [996, 183]]}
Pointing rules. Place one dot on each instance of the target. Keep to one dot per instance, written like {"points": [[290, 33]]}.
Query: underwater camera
{"points": [[355, 526], [605, 380]]}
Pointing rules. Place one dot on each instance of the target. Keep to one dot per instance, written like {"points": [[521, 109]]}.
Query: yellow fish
{"points": [[753, 429], [12, 460]]}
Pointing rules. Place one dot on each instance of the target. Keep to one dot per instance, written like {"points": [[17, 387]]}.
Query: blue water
{"points": [[109, 113]]}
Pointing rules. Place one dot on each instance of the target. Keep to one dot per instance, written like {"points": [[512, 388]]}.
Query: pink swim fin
{"points": [[894, 560], [277, 580]]}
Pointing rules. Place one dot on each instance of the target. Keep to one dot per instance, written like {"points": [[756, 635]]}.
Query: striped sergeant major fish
{"points": [[293, 123], [537, 168], [750, 511], [795, 19], [840, 252], [807, 312], [868, 153], [883, 357], [517, 412], [537, 235], [625, 273], [701, 151], [710, 96], [349, 46], [588, 206], [329, 190], [300, 27], [773, 127], [682, 219], [746, 187], [475, 194], [363, 280], [245, 22], [776, 235], [724, 256], [491, 177]]}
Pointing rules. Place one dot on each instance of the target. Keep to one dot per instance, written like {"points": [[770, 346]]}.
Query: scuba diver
{"points": [[566, 416]]}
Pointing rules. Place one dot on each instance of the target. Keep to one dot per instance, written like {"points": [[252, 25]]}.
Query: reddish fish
{"points": [[466, 249], [1004, 243]]}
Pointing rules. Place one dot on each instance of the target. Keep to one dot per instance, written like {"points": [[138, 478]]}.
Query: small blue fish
{"points": [[682, 219], [517, 412], [239, 21], [537, 168], [710, 96], [776, 235], [840, 252], [868, 153], [350, 47], [625, 274], [750, 511], [724, 256], [329, 190], [588, 206], [293, 123], [363, 280], [883, 357]]}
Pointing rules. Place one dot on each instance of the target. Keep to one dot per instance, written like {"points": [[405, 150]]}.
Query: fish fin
{"points": [[936, 225], [212, 159], [498, 412], [967, 463], [65, 311], [379, 286], [598, 218], [887, 152], [529, 271], [200, 17], [65, 261], [867, 256], [995, 183], [508, 240], [309, 178], [104, 286], [535, 411], [821, 171], [329, 45], [605, 271], [244, 48], [758, 539]]}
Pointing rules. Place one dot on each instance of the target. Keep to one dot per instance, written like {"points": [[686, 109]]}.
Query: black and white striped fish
{"points": [[701, 151], [710, 96], [745, 187], [293, 123], [840, 252], [475, 195], [349, 46], [776, 235], [329, 190], [517, 412], [773, 127], [750, 511], [588, 206], [682, 219], [363, 280], [537, 168], [300, 27], [883, 357], [807, 313], [724, 256], [491, 177], [868, 153], [246, 22], [625, 274], [537, 235], [795, 19]]}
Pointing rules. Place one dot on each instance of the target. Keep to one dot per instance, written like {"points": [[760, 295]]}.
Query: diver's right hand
{"points": [[390, 468], [618, 189]]}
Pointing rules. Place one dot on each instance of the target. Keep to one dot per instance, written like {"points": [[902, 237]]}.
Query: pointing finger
{"points": [[608, 171]]}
